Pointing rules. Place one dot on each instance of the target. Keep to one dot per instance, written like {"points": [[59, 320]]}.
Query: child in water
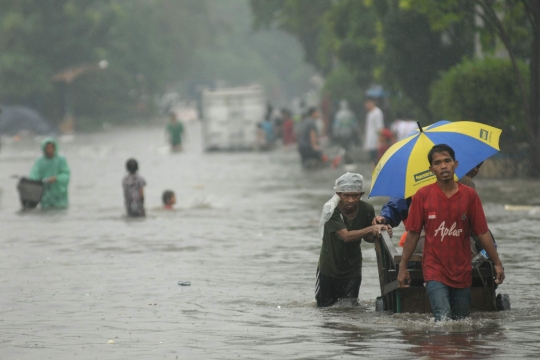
{"points": [[133, 186], [169, 199], [175, 130]]}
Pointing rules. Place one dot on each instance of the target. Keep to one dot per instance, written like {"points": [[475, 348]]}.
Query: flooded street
{"points": [[245, 236]]}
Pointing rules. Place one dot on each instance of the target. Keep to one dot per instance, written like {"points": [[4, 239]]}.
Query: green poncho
{"points": [[55, 194], [175, 132]]}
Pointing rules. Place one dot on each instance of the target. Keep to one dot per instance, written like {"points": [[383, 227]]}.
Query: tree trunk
{"points": [[534, 104]]}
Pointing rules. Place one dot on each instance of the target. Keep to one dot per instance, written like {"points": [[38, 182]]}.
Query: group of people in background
{"points": [[346, 131], [277, 125], [307, 130], [52, 170], [343, 129]]}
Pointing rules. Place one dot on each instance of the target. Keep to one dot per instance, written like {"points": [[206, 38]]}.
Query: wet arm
{"points": [[408, 250], [313, 140], [369, 233], [487, 243]]}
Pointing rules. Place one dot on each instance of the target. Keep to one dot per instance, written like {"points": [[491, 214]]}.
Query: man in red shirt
{"points": [[448, 212]]}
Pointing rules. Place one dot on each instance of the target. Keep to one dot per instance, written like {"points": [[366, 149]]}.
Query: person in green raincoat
{"points": [[52, 169], [175, 130]]}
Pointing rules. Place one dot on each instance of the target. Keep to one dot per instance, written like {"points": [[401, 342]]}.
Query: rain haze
{"points": [[164, 167]]}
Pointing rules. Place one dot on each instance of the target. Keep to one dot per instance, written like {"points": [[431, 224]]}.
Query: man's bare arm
{"points": [[369, 234], [313, 140], [487, 243], [408, 249]]}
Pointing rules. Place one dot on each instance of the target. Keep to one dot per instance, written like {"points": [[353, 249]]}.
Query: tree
{"points": [[301, 18], [350, 36], [378, 41], [151, 47], [413, 54], [510, 21], [147, 44], [31, 50], [486, 91]]}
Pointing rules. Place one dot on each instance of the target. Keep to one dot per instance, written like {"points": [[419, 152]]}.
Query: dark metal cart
{"points": [[414, 299]]}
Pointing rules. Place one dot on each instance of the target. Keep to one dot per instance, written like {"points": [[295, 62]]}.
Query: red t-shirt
{"points": [[448, 223]]}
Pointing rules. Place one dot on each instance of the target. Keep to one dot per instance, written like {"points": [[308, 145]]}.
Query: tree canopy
{"points": [[378, 41], [151, 46], [407, 45]]}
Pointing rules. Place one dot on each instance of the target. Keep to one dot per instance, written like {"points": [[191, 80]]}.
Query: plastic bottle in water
{"points": [[481, 257]]}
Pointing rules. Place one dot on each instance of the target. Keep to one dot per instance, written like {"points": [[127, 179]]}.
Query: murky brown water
{"points": [[245, 235]]}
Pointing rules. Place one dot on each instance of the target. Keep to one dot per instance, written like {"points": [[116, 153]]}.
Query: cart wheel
{"points": [[503, 302], [379, 304]]}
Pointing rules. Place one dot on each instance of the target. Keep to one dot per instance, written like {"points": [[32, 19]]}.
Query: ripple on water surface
{"points": [[245, 236]]}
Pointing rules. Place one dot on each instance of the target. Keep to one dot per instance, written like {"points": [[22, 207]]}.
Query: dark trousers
{"points": [[328, 290], [308, 154]]}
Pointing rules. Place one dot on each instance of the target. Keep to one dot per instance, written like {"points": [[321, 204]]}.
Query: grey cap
{"points": [[349, 182]]}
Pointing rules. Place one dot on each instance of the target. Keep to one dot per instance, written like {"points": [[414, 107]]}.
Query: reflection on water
{"points": [[245, 235]]}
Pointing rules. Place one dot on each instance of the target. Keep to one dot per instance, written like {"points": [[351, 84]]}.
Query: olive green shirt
{"points": [[338, 258]]}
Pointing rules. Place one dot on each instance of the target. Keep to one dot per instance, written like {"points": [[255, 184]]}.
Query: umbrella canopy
{"points": [[404, 167], [14, 119]]}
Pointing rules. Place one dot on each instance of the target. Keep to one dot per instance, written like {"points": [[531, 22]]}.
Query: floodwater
{"points": [[87, 283]]}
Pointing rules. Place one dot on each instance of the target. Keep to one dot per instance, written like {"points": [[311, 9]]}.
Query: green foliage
{"points": [[151, 46], [512, 15], [483, 91], [349, 33], [240, 56], [401, 105], [414, 54], [302, 18], [378, 41], [341, 84], [33, 43]]}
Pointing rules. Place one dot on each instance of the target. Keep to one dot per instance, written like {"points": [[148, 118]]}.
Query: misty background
{"points": [[455, 60]]}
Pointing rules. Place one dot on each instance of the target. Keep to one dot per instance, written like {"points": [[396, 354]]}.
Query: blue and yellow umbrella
{"points": [[404, 167]]}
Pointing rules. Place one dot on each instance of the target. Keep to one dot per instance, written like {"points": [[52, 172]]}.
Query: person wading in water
{"points": [[448, 212], [345, 221]]}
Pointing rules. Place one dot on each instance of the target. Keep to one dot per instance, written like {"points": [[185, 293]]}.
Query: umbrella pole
{"points": [[420, 126]]}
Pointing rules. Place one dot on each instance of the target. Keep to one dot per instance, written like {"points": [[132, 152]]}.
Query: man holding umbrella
{"points": [[448, 212]]}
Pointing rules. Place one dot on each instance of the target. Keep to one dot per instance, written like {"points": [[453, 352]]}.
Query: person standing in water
{"points": [[344, 129], [175, 130], [374, 124], [53, 170], [448, 212], [308, 139], [133, 185], [345, 221]]}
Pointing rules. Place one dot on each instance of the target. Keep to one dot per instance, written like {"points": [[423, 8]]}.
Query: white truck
{"points": [[230, 117]]}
